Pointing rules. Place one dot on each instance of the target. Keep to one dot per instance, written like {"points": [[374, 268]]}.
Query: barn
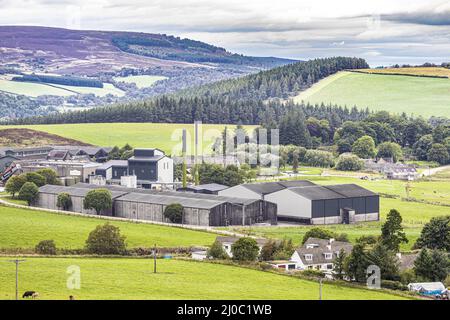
{"points": [[48, 197]]}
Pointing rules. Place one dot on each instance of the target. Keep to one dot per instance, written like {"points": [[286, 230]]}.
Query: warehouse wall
{"points": [[290, 204]]}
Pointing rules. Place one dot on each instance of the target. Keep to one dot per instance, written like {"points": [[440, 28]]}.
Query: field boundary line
{"points": [[85, 215]]}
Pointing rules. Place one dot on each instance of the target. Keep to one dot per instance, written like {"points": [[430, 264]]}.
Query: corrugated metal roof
{"points": [[209, 187], [296, 183], [264, 188], [351, 190], [166, 200], [109, 164], [75, 192], [235, 200], [317, 193]]}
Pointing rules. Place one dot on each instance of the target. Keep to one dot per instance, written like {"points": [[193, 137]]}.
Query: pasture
{"points": [[22, 228], [120, 278], [141, 81], [417, 96], [165, 136], [420, 71], [33, 89]]}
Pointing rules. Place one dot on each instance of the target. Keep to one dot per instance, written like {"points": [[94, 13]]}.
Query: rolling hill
{"points": [[419, 96]]}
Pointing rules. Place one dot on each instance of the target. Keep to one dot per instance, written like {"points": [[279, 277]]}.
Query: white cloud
{"points": [[288, 28]]}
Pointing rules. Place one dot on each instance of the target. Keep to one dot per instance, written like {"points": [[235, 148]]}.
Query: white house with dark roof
{"points": [[319, 254]]}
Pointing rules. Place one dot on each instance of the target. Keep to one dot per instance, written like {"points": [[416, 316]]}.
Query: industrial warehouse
{"points": [[141, 204], [296, 201], [306, 202]]}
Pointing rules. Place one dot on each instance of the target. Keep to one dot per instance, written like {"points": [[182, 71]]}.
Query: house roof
{"points": [[316, 193], [166, 200], [407, 261], [318, 252], [147, 159], [57, 154]]}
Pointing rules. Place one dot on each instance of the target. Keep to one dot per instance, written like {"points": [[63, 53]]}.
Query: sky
{"points": [[384, 32]]}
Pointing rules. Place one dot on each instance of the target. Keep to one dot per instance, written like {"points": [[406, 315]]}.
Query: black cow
{"points": [[29, 294]]}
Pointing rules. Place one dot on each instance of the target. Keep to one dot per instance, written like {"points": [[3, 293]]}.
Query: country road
{"points": [[431, 171]]}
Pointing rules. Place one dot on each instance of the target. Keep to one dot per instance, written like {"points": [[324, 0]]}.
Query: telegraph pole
{"points": [[154, 259], [320, 289], [17, 262]]}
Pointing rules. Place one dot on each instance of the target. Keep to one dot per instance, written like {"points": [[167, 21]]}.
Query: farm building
{"points": [[306, 202], [48, 196], [209, 188], [199, 209]]}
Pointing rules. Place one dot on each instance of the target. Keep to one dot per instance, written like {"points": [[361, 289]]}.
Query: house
{"points": [[391, 170], [319, 254], [305, 202], [209, 188], [285, 265], [150, 166], [428, 288], [199, 209], [227, 243]]}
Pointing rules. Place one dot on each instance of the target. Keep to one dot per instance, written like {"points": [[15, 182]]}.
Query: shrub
{"points": [[174, 212], [98, 200], [364, 147], [14, 184], [393, 285], [319, 158], [349, 162], [216, 251], [106, 239], [46, 247], [64, 202], [35, 177], [50, 176], [313, 273], [29, 192], [408, 276], [245, 249], [324, 234]]}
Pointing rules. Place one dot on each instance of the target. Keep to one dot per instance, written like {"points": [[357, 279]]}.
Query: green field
{"points": [[177, 279], [141, 81], [413, 95], [155, 135], [38, 89], [22, 228]]}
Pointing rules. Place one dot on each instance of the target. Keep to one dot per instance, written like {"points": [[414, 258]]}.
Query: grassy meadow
{"points": [[394, 93], [164, 136], [141, 81], [177, 279], [22, 228], [419, 71]]}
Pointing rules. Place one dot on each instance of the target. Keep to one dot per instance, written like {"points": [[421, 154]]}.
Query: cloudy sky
{"points": [[382, 31]]}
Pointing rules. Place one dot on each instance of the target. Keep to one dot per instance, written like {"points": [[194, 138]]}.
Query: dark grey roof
{"points": [[210, 187], [234, 200], [28, 149], [264, 188], [351, 190], [296, 183], [323, 246], [166, 200], [316, 193], [146, 159], [75, 192], [116, 163]]}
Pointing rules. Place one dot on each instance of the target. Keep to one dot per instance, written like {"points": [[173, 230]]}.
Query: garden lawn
{"points": [[120, 278]]}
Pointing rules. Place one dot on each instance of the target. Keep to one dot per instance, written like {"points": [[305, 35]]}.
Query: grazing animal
{"points": [[28, 294], [35, 295]]}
